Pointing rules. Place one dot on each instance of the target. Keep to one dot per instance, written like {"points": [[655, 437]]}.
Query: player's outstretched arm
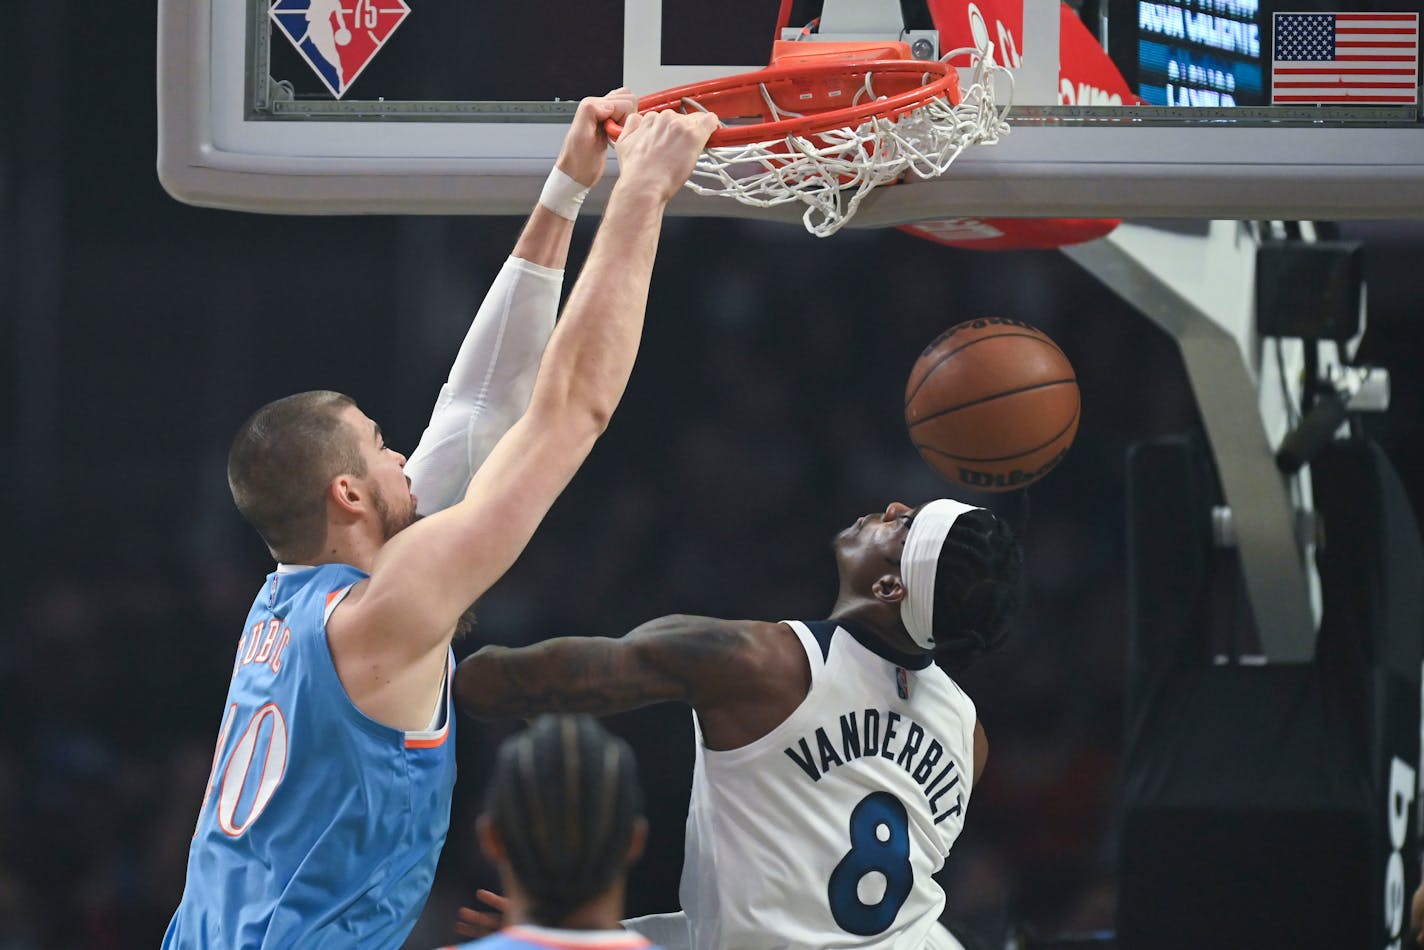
{"points": [[425, 576], [582, 161], [742, 673], [492, 379]]}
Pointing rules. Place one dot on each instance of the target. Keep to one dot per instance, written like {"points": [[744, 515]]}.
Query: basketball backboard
{"points": [[441, 107]]}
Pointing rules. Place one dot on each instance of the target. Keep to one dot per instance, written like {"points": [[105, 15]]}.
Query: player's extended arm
{"points": [[425, 576], [489, 384], [491, 381], [742, 676]]}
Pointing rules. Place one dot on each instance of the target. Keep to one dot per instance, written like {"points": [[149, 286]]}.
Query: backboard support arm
{"points": [[1197, 283]]}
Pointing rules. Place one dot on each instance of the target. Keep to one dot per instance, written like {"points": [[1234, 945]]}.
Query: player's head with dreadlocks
{"points": [[944, 577], [976, 587], [563, 818]]}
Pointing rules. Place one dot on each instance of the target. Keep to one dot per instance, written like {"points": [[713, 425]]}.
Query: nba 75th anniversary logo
{"points": [[338, 38]]}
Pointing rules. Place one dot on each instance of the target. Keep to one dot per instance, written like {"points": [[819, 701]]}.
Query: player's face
{"points": [[385, 474], [871, 548]]}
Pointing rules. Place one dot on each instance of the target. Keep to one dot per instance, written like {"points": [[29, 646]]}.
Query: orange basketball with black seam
{"points": [[992, 404]]}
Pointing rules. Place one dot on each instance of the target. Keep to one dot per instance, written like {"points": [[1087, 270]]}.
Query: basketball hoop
{"points": [[825, 130]]}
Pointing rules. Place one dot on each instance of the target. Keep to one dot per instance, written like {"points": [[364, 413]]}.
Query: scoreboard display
{"points": [[1200, 52], [1210, 53], [1192, 52]]}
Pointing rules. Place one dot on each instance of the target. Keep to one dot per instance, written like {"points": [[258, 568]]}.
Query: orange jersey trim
{"points": [[429, 742]]}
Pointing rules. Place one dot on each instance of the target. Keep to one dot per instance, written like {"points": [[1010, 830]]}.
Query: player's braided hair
{"points": [[280, 463], [564, 798], [976, 588]]}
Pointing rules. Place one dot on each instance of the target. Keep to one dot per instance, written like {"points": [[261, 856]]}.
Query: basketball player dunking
{"points": [[329, 797], [835, 759]]}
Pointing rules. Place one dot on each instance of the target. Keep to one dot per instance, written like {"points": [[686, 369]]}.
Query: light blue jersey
{"points": [[320, 827]]}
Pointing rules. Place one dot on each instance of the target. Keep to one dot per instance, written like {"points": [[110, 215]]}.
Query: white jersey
{"points": [[825, 832]]}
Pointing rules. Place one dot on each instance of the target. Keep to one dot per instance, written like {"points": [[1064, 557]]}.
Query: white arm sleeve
{"points": [[489, 385]]}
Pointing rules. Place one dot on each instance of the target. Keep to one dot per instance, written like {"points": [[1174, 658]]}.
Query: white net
{"points": [[832, 171]]}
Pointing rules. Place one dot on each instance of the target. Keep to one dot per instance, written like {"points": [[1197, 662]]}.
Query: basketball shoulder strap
{"points": [[815, 637]]}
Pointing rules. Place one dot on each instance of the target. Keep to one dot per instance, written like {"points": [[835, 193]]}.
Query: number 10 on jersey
{"points": [[263, 768]]}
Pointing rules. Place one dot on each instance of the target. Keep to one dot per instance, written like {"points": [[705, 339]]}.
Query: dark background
{"points": [[764, 414]]}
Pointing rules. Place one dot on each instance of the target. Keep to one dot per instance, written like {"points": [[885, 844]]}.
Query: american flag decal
{"points": [[1345, 58]]}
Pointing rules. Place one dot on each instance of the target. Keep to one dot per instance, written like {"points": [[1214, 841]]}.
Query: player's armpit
{"points": [[697, 660]]}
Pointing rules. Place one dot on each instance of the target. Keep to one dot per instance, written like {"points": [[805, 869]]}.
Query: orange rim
{"points": [[815, 87]]}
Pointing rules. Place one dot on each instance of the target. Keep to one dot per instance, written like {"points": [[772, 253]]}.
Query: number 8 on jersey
{"points": [[879, 844]]}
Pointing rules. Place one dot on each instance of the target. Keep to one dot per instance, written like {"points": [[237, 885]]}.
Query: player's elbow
{"points": [[475, 695], [592, 405], [589, 418], [579, 378], [600, 415], [579, 418]]}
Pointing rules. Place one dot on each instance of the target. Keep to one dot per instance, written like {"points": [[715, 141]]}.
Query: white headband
{"points": [[919, 562]]}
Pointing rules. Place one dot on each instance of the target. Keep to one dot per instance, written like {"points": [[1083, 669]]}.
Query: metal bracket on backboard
{"points": [[866, 21], [924, 44], [278, 91]]}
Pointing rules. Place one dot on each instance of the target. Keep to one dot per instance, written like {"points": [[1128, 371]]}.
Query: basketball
{"points": [[343, 36], [992, 404]]}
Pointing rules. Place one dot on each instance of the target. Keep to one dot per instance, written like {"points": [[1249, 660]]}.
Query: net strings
{"points": [[832, 171]]}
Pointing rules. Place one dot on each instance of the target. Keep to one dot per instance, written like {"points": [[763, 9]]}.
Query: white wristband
{"points": [[562, 195]]}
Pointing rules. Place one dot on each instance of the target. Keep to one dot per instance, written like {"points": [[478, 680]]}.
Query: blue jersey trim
{"points": [[823, 631], [875, 644]]}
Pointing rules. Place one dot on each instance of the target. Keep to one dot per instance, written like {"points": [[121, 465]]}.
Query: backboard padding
{"points": [[489, 153]]}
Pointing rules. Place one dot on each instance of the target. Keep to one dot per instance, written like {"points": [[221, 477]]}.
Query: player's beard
{"points": [[392, 522]]}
